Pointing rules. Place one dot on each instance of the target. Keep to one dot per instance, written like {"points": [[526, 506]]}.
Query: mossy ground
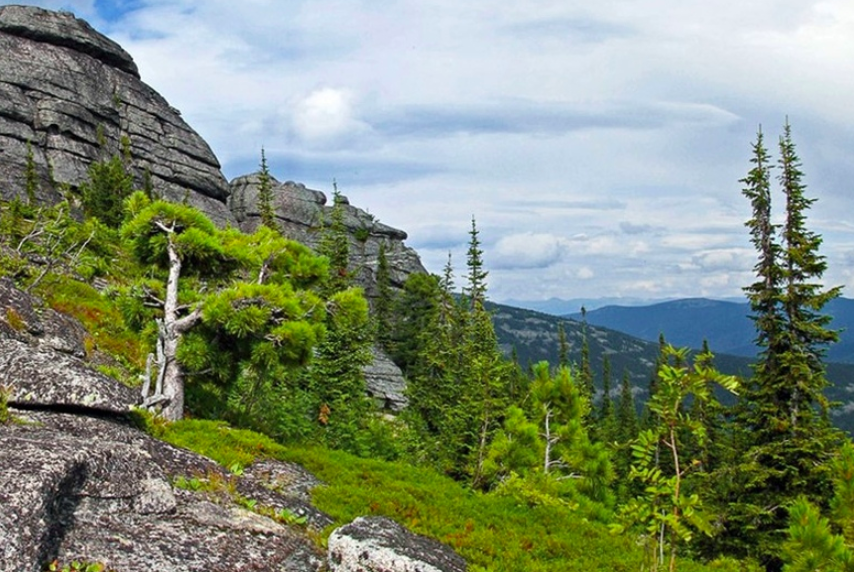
{"points": [[496, 533]]}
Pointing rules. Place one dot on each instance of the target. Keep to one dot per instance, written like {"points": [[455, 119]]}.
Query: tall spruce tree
{"points": [[785, 441], [475, 289], [562, 346], [383, 302]]}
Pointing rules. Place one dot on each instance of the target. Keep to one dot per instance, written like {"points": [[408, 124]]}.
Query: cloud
{"points": [[606, 137], [724, 259], [527, 250], [513, 116], [630, 228], [326, 118], [578, 30], [585, 273]]}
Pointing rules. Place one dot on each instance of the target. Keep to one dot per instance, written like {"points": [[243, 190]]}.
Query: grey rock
{"points": [[26, 319], [44, 377], [385, 382], [73, 95], [81, 488], [300, 213], [378, 544]]}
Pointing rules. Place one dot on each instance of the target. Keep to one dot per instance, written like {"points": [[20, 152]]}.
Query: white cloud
{"points": [[326, 117], [527, 250]]}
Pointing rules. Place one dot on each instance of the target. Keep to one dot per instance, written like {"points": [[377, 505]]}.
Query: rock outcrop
{"points": [[378, 544], [71, 95], [300, 214]]}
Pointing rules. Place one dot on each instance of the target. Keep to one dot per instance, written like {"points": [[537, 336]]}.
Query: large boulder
{"points": [[81, 488], [378, 544], [70, 95]]}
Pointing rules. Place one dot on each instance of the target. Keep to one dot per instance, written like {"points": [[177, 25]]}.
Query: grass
{"points": [[100, 316], [493, 533]]}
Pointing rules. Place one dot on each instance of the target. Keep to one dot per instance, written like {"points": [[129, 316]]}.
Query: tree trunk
{"points": [[170, 334]]}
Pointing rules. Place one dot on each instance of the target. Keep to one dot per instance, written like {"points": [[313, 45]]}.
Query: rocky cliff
{"points": [[300, 214], [71, 95]]}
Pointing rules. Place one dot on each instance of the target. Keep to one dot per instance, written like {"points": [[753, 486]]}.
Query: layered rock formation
{"points": [[71, 95]]}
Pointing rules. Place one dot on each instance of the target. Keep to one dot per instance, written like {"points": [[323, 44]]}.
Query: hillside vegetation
{"points": [[261, 342]]}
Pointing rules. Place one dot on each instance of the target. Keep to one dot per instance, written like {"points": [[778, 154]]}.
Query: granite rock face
{"points": [[385, 382], [76, 487], [378, 544], [71, 95]]}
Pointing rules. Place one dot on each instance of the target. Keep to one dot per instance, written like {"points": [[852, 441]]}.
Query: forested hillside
{"points": [[726, 326]]}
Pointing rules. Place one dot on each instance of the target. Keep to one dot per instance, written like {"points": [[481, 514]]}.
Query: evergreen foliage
{"points": [[265, 194], [384, 302], [785, 440], [109, 184]]}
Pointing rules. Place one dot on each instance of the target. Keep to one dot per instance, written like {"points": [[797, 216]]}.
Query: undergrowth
{"points": [[492, 532]]}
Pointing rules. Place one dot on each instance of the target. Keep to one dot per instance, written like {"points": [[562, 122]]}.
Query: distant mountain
{"points": [[561, 307], [533, 337], [726, 325]]}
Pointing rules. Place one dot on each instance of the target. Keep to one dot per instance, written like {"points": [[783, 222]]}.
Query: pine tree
{"points": [[475, 290], [606, 419], [785, 440], [627, 416], [562, 346], [265, 194], [335, 245], [585, 373], [31, 178]]}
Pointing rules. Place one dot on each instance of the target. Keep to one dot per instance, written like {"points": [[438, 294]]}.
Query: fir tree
{"points": [[31, 177], [785, 440], [265, 195], [335, 245], [475, 289], [627, 416], [562, 346]]}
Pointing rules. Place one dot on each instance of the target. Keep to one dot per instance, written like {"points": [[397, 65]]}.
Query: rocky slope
{"points": [[300, 214], [80, 482]]}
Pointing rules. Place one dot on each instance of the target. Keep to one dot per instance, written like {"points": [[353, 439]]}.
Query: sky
{"points": [[598, 145]]}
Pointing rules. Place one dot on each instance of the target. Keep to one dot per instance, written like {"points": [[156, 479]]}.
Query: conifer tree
{"points": [[562, 346], [265, 194], [475, 289], [627, 417], [585, 373], [606, 419], [335, 245], [383, 302], [31, 178], [786, 440]]}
